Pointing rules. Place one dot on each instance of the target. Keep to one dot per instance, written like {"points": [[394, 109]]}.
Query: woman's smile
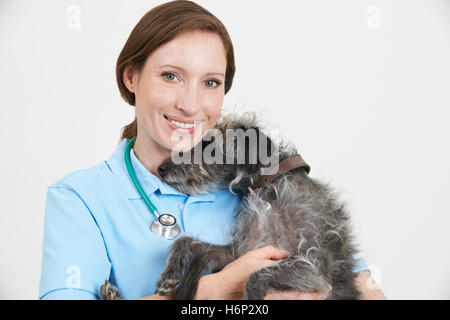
{"points": [[187, 126]]}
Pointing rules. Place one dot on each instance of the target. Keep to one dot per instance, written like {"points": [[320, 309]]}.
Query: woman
{"points": [[175, 68]]}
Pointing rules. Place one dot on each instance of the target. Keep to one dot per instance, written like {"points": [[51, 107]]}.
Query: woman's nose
{"points": [[190, 101]]}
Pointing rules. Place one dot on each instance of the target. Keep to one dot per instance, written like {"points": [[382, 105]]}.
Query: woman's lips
{"points": [[173, 126]]}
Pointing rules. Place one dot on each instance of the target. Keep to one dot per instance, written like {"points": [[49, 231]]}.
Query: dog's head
{"points": [[235, 154]]}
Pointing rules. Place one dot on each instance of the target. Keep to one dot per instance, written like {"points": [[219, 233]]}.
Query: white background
{"points": [[362, 88]]}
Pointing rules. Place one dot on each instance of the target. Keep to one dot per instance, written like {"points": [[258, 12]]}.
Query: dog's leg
{"points": [[293, 274], [109, 292], [213, 258], [181, 253]]}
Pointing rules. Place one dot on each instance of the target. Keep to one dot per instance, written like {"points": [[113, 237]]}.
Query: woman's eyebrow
{"points": [[209, 73]]}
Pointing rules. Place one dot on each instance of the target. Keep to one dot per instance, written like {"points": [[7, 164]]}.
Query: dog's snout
{"points": [[162, 169]]}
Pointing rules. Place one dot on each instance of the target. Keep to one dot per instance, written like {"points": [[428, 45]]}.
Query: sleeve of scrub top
{"points": [[361, 264], [74, 262]]}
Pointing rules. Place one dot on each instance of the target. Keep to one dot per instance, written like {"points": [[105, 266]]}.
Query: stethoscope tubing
{"points": [[165, 224], [135, 179]]}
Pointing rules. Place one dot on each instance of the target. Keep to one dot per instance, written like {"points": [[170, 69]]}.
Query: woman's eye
{"points": [[208, 82], [212, 83], [169, 76]]}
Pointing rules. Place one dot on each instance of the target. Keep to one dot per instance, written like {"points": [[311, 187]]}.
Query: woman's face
{"points": [[182, 81]]}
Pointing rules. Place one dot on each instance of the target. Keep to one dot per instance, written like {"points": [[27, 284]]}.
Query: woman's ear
{"points": [[129, 77]]}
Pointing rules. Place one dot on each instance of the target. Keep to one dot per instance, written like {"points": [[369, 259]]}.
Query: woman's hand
{"points": [[229, 283]]}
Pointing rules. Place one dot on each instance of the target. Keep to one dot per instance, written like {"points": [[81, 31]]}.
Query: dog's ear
{"points": [[265, 149], [244, 139], [265, 143], [241, 142], [213, 141], [251, 146]]}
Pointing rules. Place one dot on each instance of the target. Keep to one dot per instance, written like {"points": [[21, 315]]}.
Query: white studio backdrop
{"points": [[361, 87]]}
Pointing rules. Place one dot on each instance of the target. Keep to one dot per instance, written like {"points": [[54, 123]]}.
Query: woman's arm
{"points": [[229, 283], [364, 282], [75, 262], [156, 297], [209, 285]]}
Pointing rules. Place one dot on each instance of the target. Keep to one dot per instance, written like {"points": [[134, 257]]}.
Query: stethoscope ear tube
{"points": [[165, 224]]}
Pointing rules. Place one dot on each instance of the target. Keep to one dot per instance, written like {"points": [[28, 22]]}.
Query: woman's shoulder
{"points": [[95, 176], [84, 177]]}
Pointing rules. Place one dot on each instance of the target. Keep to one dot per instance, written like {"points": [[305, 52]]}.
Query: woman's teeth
{"points": [[182, 124]]}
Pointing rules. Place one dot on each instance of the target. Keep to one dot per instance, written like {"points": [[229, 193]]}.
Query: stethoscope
{"points": [[165, 225]]}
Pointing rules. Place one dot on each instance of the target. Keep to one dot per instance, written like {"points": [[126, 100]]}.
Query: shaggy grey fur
{"points": [[293, 212]]}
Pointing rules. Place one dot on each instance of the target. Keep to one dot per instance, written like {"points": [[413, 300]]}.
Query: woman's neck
{"points": [[150, 154]]}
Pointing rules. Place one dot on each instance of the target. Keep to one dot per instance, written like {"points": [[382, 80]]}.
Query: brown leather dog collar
{"points": [[291, 163]]}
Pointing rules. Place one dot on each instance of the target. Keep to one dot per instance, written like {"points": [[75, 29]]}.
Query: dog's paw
{"points": [[109, 292], [166, 287]]}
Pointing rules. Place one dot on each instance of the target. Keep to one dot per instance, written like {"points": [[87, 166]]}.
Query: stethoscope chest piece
{"points": [[166, 225]]}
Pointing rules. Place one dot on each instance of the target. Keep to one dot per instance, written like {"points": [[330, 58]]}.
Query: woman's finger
{"points": [[271, 253]]}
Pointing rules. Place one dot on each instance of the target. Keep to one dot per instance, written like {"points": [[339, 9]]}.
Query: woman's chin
{"points": [[183, 146]]}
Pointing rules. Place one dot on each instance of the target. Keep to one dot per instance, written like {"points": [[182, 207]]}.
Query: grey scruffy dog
{"points": [[292, 212]]}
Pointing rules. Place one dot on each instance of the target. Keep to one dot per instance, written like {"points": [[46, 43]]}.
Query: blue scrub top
{"points": [[97, 227]]}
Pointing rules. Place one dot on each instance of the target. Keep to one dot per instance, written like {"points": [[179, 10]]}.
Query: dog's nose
{"points": [[162, 169]]}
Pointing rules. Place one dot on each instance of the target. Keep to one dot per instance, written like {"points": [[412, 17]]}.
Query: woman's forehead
{"points": [[200, 52]]}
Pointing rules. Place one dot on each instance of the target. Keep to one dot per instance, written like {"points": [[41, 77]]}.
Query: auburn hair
{"points": [[159, 26]]}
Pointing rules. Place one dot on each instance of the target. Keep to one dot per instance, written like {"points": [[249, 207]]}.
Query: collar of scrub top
{"points": [[149, 182]]}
